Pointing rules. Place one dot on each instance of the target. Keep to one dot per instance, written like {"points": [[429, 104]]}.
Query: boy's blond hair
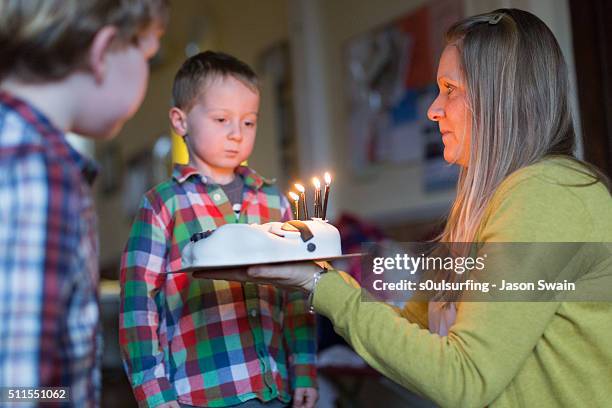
{"points": [[43, 40], [197, 72]]}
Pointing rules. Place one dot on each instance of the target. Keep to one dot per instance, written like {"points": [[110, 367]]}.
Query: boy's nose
{"points": [[235, 133]]}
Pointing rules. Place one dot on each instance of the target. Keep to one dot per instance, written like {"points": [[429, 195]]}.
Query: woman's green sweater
{"points": [[503, 354]]}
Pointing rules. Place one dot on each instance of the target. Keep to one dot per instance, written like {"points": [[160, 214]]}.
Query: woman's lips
{"points": [[447, 138]]}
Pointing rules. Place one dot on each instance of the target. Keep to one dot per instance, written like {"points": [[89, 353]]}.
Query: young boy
{"points": [[206, 342], [65, 65]]}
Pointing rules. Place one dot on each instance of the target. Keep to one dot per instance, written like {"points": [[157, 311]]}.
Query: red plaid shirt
{"points": [[49, 331], [206, 342]]}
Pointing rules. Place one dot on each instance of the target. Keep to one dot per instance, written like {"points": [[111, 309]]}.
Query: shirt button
{"points": [[216, 196], [253, 312]]}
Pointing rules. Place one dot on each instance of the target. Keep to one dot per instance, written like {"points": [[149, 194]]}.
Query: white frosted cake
{"points": [[245, 244]]}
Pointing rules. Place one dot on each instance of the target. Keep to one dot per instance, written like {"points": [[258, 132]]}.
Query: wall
{"points": [[391, 193], [246, 29]]}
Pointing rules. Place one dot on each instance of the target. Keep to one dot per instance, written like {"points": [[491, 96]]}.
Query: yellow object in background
{"points": [[180, 154]]}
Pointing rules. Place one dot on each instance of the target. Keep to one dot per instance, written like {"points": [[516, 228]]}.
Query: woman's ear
{"points": [[98, 52], [178, 120]]}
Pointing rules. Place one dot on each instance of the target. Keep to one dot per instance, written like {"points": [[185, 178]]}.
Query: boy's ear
{"points": [[178, 120], [98, 50]]}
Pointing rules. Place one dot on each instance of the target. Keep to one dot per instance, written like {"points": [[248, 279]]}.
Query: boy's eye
{"points": [[249, 124], [220, 120]]}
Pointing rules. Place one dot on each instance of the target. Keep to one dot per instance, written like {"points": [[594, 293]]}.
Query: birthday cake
{"points": [[247, 244]]}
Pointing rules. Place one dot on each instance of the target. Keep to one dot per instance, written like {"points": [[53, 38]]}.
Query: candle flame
{"points": [[294, 196], [299, 187], [316, 182], [327, 177]]}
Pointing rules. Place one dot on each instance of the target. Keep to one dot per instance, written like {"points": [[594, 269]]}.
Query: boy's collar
{"points": [[182, 172], [52, 138]]}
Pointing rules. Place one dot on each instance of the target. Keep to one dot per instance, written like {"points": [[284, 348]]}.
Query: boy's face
{"points": [[222, 124], [120, 88]]}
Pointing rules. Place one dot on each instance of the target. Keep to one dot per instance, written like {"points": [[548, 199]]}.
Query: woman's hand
{"points": [[292, 276]]}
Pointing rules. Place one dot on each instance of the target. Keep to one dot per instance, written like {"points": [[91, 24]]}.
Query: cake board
{"points": [[216, 268]]}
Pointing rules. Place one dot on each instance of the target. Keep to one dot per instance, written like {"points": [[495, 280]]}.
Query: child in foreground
{"points": [[65, 66]]}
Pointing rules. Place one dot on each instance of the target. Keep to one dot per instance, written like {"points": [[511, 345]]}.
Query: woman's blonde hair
{"points": [[42, 40], [518, 94]]}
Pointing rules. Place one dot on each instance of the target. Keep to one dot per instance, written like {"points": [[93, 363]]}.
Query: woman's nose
{"points": [[435, 111]]}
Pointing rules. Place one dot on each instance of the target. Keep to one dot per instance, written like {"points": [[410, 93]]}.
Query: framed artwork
{"points": [[390, 83]]}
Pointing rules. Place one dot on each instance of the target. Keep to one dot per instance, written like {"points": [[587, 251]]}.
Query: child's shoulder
{"points": [[21, 130], [162, 195]]}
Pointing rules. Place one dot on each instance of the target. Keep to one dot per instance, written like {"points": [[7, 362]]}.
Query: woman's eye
{"points": [[449, 89]]}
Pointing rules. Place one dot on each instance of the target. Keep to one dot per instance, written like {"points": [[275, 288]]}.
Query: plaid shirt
{"points": [[48, 258], [207, 342]]}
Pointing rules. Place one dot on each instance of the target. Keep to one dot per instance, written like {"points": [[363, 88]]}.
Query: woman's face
{"points": [[450, 109]]}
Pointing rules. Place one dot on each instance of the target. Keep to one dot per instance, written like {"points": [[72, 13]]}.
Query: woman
{"points": [[504, 116]]}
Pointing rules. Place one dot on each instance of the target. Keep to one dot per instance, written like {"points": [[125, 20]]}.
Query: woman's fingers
{"points": [[295, 276]]}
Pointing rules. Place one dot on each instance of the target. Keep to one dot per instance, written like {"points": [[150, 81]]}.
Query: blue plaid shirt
{"points": [[49, 333]]}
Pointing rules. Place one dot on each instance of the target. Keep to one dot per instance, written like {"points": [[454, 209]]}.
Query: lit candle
{"points": [[296, 204], [327, 178], [302, 191], [317, 197]]}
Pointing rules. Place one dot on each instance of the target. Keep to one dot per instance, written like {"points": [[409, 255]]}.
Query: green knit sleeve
{"points": [[490, 341], [470, 367]]}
